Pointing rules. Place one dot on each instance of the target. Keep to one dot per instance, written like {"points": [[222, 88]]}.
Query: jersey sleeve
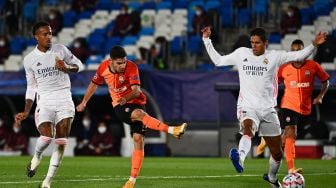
{"points": [[321, 73], [216, 58], [31, 82], [98, 79], [300, 55], [71, 59], [134, 78]]}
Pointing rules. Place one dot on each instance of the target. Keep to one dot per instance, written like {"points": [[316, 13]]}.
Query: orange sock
{"points": [[154, 124], [137, 158], [290, 152]]}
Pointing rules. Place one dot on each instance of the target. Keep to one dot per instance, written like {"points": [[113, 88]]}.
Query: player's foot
{"points": [[128, 184], [32, 167], [30, 173], [275, 184], [45, 184], [180, 130], [293, 170], [234, 156], [261, 147]]}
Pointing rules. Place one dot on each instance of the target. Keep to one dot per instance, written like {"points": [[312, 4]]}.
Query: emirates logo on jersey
{"points": [[265, 61], [121, 79]]}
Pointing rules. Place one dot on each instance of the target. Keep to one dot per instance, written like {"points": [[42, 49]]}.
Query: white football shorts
{"points": [[265, 121], [54, 112]]}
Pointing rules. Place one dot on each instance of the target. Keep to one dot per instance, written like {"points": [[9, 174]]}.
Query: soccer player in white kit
{"points": [[47, 68], [257, 69]]}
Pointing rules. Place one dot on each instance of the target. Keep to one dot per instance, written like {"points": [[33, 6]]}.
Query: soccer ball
{"points": [[293, 180]]}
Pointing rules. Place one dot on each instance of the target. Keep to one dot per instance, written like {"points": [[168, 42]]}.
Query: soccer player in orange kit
{"points": [[298, 78], [128, 101]]}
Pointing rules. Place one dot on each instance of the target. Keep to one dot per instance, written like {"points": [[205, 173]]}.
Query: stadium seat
{"points": [[274, 37], [164, 5], [110, 43], [195, 45], [70, 18], [244, 18], [29, 12], [149, 5], [129, 40], [146, 31], [177, 46], [17, 45]]}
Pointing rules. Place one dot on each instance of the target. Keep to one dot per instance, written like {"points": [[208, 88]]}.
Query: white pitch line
{"points": [[87, 178]]}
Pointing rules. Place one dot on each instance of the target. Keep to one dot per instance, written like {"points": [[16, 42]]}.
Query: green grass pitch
{"points": [[170, 172]]}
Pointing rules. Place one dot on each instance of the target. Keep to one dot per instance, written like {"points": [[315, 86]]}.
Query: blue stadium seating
{"points": [[177, 46], [110, 43], [244, 18], [17, 45], [29, 12], [164, 5], [129, 40], [195, 45], [70, 18], [147, 31]]}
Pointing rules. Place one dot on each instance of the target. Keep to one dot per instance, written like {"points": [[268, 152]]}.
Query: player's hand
{"points": [[317, 100], [206, 32], [60, 65], [122, 101], [320, 38], [20, 117], [81, 107]]}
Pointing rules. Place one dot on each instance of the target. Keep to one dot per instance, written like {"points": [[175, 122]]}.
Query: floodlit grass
{"points": [[112, 172]]}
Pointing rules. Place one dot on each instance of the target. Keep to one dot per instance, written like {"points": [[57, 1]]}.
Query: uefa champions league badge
{"points": [[265, 61], [121, 79]]}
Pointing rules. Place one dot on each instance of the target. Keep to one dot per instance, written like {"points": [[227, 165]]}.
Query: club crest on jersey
{"points": [[121, 79], [265, 61], [307, 73]]}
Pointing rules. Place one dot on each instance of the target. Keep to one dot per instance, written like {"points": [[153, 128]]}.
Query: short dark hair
{"points": [[260, 32], [117, 52], [38, 25], [297, 41]]}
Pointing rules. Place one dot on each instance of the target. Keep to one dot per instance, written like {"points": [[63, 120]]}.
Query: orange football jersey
{"points": [[299, 85], [119, 84]]}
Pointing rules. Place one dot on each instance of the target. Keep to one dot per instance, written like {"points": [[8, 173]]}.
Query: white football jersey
{"points": [[44, 79], [257, 74]]}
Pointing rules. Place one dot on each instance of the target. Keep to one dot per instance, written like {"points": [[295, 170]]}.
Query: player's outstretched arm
{"points": [[320, 38], [88, 94], [206, 31]]}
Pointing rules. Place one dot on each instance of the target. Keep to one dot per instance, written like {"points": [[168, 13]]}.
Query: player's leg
{"points": [[45, 128], [137, 159], [271, 131], [274, 144], [261, 147], [249, 122], [61, 137]]}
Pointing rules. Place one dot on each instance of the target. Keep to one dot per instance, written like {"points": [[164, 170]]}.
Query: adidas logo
{"points": [[245, 60], [38, 64]]}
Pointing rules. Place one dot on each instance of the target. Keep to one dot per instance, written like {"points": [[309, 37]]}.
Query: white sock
{"points": [[244, 147], [41, 144], [171, 130], [56, 158], [132, 179], [274, 168]]}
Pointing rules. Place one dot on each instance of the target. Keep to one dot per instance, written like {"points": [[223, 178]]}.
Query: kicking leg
{"points": [[155, 124]]}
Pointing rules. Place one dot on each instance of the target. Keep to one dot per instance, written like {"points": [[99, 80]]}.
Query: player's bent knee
{"points": [[138, 114]]}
